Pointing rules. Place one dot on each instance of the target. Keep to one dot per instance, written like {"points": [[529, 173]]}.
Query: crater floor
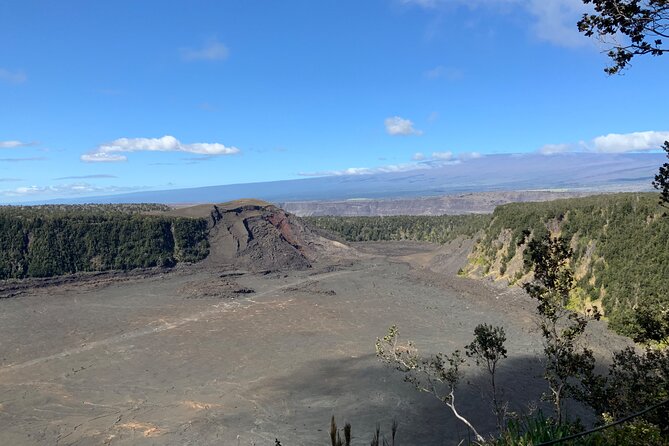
{"points": [[168, 360]]}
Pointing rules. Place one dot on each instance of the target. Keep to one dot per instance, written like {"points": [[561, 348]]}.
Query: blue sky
{"points": [[113, 96]]}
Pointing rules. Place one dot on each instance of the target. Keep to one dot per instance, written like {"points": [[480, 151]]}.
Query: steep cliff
{"points": [[620, 244]]}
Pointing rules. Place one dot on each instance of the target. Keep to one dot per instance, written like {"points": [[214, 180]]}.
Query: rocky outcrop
{"points": [[259, 236]]}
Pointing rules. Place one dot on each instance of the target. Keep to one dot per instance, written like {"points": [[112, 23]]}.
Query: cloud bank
{"points": [[422, 162], [72, 189], [113, 151], [366, 170]]}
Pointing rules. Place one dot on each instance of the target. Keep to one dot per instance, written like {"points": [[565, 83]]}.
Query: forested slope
{"points": [[45, 241], [620, 244], [435, 229]]}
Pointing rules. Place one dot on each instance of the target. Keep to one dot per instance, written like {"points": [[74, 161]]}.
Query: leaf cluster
{"points": [[661, 181], [641, 24], [634, 381], [487, 348]]}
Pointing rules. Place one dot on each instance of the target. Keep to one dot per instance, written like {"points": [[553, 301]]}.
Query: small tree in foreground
{"points": [[440, 374], [488, 349]]}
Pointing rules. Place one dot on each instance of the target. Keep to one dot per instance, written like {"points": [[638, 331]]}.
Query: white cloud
{"points": [[12, 77], [418, 156], [612, 143], [443, 156], [399, 126], [630, 142], [14, 144], [112, 152], [101, 157], [212, 50]]}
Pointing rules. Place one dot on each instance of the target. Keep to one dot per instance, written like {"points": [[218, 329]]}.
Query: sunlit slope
{"points": [[620, 244]]}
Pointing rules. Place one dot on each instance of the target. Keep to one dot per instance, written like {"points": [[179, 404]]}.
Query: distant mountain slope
{"points": [[575, 171], [469, 203]]}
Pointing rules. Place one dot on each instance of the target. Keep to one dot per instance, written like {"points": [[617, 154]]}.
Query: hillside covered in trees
{"points": [[435, 229], [44, 241], [620, 249]]}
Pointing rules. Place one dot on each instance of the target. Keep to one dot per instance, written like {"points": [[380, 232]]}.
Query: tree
{"points": [[661, 182], [639, 24], [488, 349], [438, 375], [561, 328], [642, 24]]}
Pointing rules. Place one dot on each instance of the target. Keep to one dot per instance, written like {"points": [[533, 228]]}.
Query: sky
{"points": [[101, 97]]}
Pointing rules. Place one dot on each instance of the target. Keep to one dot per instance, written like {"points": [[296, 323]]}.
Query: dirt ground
{"points": [[212, 356]]}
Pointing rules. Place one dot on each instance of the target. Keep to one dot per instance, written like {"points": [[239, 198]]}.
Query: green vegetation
{"points": [[435, 229], [620, 255], [44, 241]]}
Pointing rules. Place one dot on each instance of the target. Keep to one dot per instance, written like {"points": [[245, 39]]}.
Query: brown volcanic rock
{"points": [[259, 236]]}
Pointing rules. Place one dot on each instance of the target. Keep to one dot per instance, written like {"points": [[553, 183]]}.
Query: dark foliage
{"points": [[661, 181], [435, 229], [630, 27], [634, 382], [48, 241]]}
